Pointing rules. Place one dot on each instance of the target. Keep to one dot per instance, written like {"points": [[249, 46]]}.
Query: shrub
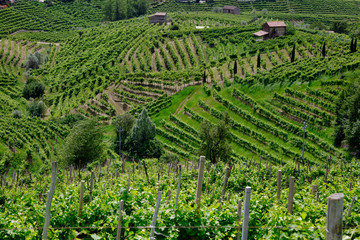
{"points": [[17, 114], [36, 109], [32, 62], [33, 89]]}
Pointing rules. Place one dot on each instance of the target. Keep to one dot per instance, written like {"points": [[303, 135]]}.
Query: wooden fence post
{"points": [[178, 188], [239, 220], [278, 186], [291, 195], [200, 181], [128, 182], [91, 186], [118, 234], [49, 200], [153, 224], [227, 175], [245, 226], [82, 189], [334, 216]]}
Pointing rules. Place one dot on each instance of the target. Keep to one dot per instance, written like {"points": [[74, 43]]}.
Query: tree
{"points": [[339, 27], [125, 123], [32, 62], [355, 45], [33, 89], [258, 61], [324, 50], [36, 109], [108, 11], [235, 67], [348, 118], [352, 45], [84, 144], [144, 144], [293, 54], [204, 77], [215, 141], [264, 11]]}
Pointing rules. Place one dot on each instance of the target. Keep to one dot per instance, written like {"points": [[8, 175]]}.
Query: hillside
{"points": [[62, 64]]}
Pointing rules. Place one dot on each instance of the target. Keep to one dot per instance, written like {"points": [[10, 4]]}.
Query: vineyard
{"points": [[281, 101]]}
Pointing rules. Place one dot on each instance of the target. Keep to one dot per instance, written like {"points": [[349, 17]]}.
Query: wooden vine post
{"points": [[334, 216], [245, 227], [153, 223], [291, 195], [200, 181], [178, 188], [239, 220], [91, 186], [82, 190], [227, 175], [146, 173], [49, 200], [118, 234], [278, 186]]}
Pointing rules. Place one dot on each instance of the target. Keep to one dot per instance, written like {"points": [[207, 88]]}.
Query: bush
{"points": [[169, 158], [32, 62], [33, 89], [17, 114], [36, 109]]}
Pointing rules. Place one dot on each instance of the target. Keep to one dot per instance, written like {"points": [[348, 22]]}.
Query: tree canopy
{"points": [[215, 140], [84, 144]]}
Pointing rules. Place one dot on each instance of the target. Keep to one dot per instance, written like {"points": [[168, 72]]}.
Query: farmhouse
{"points": [[4, 3], [231, 10], [158, 18], [271, 30]]}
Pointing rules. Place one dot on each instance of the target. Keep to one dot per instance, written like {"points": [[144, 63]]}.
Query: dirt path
{"points": [[182, 104], [56, 44]]}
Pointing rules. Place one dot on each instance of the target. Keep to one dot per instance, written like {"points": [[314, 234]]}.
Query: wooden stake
{"points": [[200, 181], [278, 186], [91, 186], [49, 200], [245, 226], [146, 173], [153, 224], [291, 195], [350, 208], [239, 220], [227, 175], [169, 196], [118, 234], [334, 216], [313, 190], [82, 189], [128, 182], [178, 188]]}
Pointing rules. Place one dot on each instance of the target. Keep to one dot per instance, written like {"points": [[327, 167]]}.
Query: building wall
{"points": [[236, 11], [157, 19]]}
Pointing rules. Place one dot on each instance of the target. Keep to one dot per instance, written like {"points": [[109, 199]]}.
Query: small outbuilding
{"points": [[231, 10], [158, 18], [271, 30]]}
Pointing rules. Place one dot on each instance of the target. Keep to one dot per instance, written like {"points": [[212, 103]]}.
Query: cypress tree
{"points": [[324, 50], [235, 67], [355, 45], [204, 77], [352, 46], [259, 61], [293, 54]]}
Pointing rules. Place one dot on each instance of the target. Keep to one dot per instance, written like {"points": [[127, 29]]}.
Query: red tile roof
{"points": [[276, 24]]}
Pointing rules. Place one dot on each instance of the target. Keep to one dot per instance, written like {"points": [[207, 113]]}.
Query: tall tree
{"points": [[352, 45], [108, 10], [324, 50], [355, 45], [215, 141], [143, 139], [117, 11], [235, 67], [258, 61], [123, 125], [293, 54], [84, 144]]}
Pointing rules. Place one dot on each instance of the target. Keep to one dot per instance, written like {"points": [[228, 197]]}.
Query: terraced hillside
{"points": [[339, 7], [30, 15]]}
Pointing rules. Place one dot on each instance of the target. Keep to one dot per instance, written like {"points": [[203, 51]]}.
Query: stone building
{"points": [[158, 18], [231, 10], [271, 30]]}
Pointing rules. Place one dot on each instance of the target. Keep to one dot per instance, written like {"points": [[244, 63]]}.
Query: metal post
{"points": [[118, 234], [49, 200], [245, 226]]}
